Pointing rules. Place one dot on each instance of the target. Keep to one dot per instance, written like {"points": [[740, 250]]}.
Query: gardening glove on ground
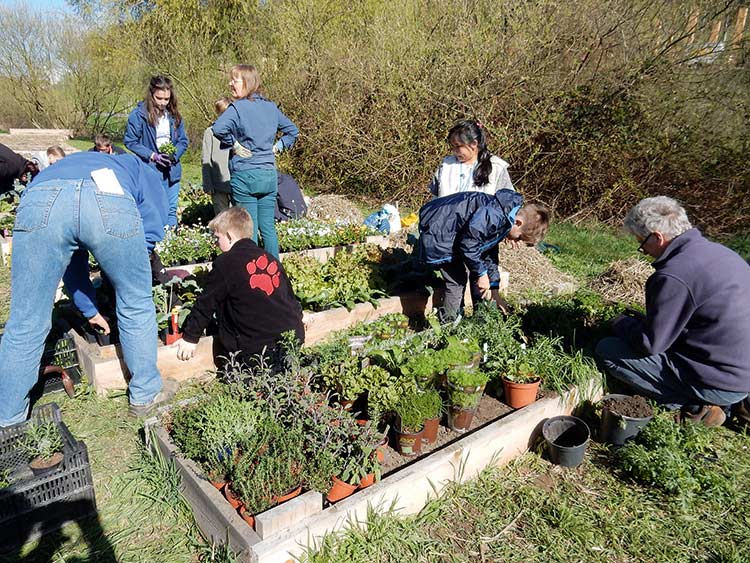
{"points": [[241, 151], [185, 350], [161, 159], [99, 323]]}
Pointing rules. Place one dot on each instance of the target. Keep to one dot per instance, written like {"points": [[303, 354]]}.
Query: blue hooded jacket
{"points": [[140, 137], [464, 225]]}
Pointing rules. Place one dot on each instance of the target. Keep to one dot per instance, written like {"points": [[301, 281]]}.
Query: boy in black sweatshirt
{"points": [[248, 291]]}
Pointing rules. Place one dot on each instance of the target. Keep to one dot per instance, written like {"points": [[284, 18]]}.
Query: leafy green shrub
{"points": [[344, 280], [676, 458], [580, 319]]}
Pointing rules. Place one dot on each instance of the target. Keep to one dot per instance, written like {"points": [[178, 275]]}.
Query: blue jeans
{"points": [[53, 220], [173, 197], [657, 377], [255, 190]]}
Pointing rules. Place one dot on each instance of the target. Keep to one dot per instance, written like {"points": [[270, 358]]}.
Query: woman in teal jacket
{"points": [[155, 122], [249, 126]]}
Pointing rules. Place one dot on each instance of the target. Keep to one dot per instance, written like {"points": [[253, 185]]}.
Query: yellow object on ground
{"points": [[409, 220]]}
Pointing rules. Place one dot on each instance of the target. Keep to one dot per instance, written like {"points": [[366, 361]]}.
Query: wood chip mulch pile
{"points": [[330, 207], [624, 281], [532, 271]]}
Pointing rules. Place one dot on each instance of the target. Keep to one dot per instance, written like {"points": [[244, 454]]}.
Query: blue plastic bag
{"points": [[378, 220]]}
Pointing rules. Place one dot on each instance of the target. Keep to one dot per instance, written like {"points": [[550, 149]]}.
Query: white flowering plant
{"points": [[302, 234], [188, 245]]}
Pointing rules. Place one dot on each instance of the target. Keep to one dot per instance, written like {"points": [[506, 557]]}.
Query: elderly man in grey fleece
{"points": [[691, 350]]}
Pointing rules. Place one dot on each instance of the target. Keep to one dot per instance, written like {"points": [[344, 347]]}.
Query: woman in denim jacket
{"points": [[249, 126], [155, 122]]}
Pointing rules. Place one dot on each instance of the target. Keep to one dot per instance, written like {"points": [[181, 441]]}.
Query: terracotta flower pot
{"points": [[219, 485], [247, 517], [518, 395], [367, 481], [409, 444], [430, 432], [460, 419], [289, 495], [380, 451], [231, 497], [340, 490]]}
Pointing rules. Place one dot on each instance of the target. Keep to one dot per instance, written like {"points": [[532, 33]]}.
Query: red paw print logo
{"points": [[264, 274]]}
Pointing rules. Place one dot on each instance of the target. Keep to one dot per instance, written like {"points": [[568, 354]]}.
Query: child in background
{"points": [[248, 291], [54, 153], [215, 164], [103, 143], [462, 231], [471, 167], [154, 123]]}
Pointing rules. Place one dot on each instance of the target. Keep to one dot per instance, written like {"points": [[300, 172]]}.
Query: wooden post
{"points": [[735, 43]]}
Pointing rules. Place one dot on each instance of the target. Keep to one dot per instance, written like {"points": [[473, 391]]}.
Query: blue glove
{"points": [[278, 147], [161, 160]]}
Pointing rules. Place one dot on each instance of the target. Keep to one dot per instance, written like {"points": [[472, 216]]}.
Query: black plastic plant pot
{"points": [[567, 438], [616, 429]]}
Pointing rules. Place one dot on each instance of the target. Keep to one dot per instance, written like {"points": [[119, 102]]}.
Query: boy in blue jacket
{"points": [[461, 232]]}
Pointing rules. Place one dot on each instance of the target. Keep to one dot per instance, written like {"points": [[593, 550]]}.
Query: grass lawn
{"points": [[526, 511]]}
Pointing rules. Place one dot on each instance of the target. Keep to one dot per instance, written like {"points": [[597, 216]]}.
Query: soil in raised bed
{"points": [[632, 406], [489, 410]]}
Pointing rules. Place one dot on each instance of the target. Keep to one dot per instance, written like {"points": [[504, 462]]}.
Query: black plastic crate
{"points": [[35, 505]]}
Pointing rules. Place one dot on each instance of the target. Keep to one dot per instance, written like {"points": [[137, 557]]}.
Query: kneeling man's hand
{"points": [[185, 350]]}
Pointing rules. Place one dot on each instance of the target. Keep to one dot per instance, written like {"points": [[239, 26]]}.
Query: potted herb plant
{"points": [[465, 389], [424, 369], [431, 405], [520, 382], [409, 425], [170, 150], [43, 443]]}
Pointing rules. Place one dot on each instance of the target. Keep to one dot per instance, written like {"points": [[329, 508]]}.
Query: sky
{"points": [[42, 4]]}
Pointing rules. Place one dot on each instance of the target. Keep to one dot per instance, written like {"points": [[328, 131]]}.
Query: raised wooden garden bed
{"points": [[106, 369], [282, 533]]}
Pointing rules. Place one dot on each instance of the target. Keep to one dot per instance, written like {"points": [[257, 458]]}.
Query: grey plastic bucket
{"points": [[615, 428], [567, 438]]}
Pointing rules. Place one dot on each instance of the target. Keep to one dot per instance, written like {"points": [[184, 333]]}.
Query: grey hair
{"points": [[660, 213]]}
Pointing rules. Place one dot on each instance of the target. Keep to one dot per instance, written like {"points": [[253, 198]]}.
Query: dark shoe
{"points": [[741, 411], [707, 415], [167, 393]]}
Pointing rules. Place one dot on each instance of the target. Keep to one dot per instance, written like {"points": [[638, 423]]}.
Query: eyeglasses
{"points": [[640, 248]]}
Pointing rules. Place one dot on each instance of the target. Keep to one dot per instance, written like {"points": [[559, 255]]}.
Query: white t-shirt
{"points": [[162, 131], [452, 177]]}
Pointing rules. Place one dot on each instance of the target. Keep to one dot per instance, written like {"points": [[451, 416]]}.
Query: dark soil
{"points": [[632, 406], [489, 410]]}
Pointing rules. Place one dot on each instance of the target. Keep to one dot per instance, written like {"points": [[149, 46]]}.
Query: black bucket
{"points": [[567, 438], [615, 428]]}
